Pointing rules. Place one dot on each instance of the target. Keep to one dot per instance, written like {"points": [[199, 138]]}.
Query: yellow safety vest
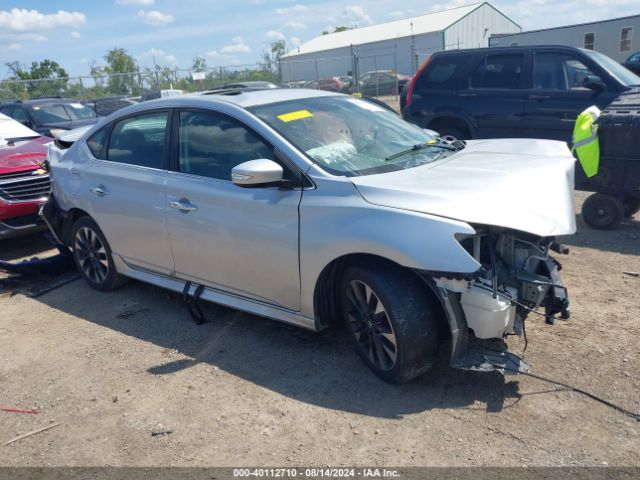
{"points": [[585, 141]]}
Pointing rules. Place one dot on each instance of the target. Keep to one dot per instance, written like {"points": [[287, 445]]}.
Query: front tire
{"points": [[391, 320], [92, 255]]}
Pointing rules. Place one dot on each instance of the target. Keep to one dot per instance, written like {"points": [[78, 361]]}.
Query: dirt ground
{"points": [[112, 368]]}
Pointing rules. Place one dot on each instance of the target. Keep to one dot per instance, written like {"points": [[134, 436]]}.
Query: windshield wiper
{"points": [[420, 146], [414, 148]]}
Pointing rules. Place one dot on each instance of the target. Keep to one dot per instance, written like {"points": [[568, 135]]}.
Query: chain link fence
{"points": [[371, 72], [142, 84]]}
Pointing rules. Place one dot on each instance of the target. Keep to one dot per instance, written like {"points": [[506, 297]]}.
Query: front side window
{"points": [[499, 71], [558, 71], [577, 73], [139, 140], [211, 144], [351, 137], [625, 39], [589, 40]]}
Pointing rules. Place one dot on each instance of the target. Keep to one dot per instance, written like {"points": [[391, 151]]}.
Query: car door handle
{"points": [[539, 97], [468, 94], [100, 191], [182, 205]]}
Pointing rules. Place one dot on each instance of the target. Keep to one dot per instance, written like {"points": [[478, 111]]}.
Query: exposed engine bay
{"points": [[517, 276]]}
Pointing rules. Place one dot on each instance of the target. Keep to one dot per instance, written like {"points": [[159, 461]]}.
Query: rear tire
{"points": [[391, 320], [631, 206], [92, 255], [602, 212]]}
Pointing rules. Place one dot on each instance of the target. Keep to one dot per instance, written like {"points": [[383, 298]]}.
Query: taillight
{"points": [[412, 84]]}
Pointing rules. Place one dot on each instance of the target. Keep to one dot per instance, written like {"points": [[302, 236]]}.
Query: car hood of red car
{"points": [[25, 154]]}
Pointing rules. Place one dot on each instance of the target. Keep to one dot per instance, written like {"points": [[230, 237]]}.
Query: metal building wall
{"points": [[400, 54], [607, 37], [474, 30]]}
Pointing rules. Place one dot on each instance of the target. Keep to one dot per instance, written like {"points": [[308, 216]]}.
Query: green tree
{"points": [[159, 77], [341, 28], [122, 69], [45, 78], [199, 64], [271, 58]]}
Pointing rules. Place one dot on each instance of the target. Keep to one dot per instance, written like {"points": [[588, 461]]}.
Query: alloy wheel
{"points": [[92, 255], [370, 325]]}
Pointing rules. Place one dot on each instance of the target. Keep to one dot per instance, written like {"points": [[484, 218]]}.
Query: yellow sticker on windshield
{"points": [[299, 115]]}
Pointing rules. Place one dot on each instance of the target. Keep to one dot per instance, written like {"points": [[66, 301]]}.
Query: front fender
{"points": [[336, 221]]}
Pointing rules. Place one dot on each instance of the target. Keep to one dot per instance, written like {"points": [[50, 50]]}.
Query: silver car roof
{"points": [[250, 98]]}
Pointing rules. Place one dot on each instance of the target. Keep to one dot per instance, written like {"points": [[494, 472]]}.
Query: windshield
{"points": [[52, 113], [347, 136], [626, 76]]}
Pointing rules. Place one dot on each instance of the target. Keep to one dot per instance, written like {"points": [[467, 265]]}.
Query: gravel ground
{"points": [[114, 368]]}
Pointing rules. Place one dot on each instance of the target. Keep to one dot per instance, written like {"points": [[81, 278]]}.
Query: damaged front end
{"points": [[517, 276]]}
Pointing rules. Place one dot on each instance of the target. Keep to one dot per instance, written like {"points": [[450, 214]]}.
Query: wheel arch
{"points": [[326, 303], [452, 120], [72, 215]]}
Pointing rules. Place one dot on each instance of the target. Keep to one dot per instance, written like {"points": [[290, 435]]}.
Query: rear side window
{"points": [[441, 72], [502, 71], [139, 140], [97, 142], [211, 144]]}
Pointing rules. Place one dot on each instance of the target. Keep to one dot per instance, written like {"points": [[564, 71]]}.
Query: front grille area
{"points": [[24, 186]]}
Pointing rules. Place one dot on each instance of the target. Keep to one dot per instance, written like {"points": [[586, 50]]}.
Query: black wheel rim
{"points": [[92, 255], [369, 323], [603, 214]]}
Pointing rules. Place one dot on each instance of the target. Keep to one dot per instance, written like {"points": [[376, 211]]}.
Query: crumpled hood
{"points": [[522, 184], [23, 155]]}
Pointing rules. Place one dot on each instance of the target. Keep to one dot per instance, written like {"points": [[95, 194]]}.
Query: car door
{"points": [[240, 240], [123, 186], [495, 97], [559, 94]]}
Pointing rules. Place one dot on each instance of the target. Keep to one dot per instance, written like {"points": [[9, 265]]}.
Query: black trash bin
{"points": [[616, 186]]}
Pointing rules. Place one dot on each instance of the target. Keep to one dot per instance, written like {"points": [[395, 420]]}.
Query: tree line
{"points": [[120, 74]]}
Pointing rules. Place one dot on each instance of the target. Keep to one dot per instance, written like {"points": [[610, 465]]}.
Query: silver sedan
{"points": [[317, 209]]}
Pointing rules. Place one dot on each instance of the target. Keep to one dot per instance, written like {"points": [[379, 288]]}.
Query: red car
{"points": [[24, 183]]}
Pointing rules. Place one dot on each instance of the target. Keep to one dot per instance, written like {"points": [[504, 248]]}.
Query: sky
{"points": [[78, 33]]}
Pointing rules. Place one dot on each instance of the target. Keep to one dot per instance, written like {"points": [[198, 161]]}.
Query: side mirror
{"points": [[593, 82], [27, 123], [256, 173]]}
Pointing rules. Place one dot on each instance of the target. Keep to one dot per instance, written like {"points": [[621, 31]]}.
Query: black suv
{"points": [[49, 115], [531, 92]]}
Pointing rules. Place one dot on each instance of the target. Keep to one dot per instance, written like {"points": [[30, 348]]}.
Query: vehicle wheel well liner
{"points": [[326, 297], [72, 216]]}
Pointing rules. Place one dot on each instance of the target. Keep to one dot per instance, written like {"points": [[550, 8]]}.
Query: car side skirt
{"points": [[216, 296]]}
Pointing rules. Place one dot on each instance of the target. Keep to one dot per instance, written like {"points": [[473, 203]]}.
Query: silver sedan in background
{"points": [[316, 208]]}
